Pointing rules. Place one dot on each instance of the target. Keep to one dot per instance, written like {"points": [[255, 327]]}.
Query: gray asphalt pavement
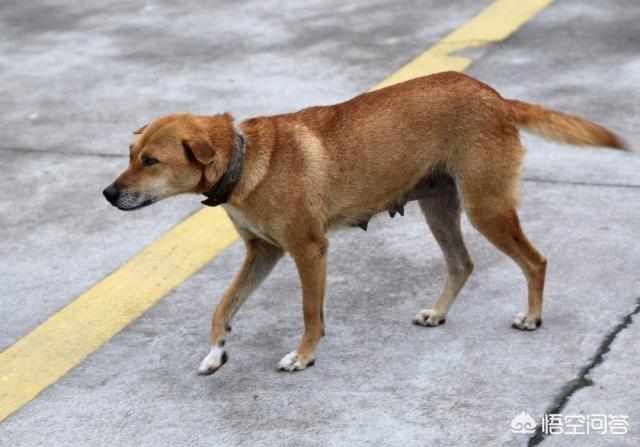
{"points": [[75, 79]]}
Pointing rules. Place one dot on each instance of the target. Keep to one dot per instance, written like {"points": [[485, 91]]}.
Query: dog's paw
{"points": [[526, 322], [429, 317], [213, 361], [294, 362]]}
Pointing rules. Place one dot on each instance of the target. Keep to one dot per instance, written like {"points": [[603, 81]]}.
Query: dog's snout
{"points": [[111, 193]]}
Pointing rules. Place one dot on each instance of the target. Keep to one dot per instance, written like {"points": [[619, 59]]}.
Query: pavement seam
{"points": [[578, 183], [582, 380], [30, 150]]}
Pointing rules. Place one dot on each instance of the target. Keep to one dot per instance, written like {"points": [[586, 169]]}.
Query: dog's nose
{"points": [[111, 193]]}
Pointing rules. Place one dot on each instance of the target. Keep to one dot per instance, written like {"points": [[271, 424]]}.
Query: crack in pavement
{"points": [[581, 380]]}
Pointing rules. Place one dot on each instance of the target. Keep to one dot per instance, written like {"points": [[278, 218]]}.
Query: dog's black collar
{"points": [[222, 189]]}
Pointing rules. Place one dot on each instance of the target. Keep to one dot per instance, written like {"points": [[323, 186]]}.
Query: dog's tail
{"points": [[563, 127]]}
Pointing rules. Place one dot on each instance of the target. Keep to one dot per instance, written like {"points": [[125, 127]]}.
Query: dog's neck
{"points": [[223, 188]]}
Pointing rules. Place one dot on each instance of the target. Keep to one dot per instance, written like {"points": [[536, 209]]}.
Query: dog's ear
{"points": [[139, 131], [200, 149], [212, 134]]}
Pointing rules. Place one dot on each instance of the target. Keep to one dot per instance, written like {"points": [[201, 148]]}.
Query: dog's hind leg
{"points": [[502, 228], [260, 259], [442, 211], [489, 197]]}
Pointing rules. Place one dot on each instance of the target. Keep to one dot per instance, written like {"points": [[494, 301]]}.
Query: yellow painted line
{"points": [[63, 341], [70, 335], [495, 23]]}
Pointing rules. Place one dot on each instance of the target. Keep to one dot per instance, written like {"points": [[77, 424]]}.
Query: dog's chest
{"points": [[242, 221]]}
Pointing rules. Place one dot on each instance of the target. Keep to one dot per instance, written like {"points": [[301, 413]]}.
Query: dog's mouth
{"points": [[126, 207], [129, 201]]}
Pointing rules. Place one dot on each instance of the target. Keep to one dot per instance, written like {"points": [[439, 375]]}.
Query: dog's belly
{"points": [[359, 214]]}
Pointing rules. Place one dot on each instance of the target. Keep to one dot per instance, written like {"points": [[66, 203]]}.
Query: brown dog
{"points": [[446, 140]]}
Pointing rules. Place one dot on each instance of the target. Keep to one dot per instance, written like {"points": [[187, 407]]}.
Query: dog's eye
{"points": [[148, 161]]}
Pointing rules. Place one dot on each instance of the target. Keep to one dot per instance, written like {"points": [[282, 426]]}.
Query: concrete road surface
{"points": [[76, 78]]}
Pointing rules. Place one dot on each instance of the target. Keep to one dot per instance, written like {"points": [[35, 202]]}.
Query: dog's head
{"points": [[174, 154]]}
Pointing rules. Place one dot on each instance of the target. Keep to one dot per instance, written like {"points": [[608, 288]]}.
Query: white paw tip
{"points": [[213, 361], [428, 317], [526, 322], [292, 362]]}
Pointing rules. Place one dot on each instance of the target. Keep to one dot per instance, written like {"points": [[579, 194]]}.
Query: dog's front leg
{"points": [[260, 259], [311, 259]]}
